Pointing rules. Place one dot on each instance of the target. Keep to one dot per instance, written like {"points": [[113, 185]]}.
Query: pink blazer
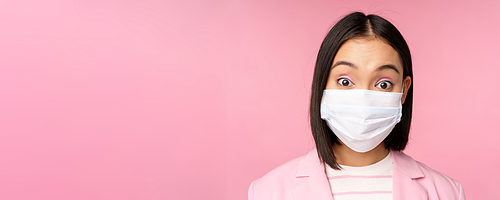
{"points": [[304, 178]]}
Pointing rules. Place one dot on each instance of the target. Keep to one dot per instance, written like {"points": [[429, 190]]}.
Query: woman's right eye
{"points": [[344, 82]]}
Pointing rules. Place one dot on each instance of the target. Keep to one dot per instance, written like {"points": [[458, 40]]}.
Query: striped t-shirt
{"points": [[372, 182]]}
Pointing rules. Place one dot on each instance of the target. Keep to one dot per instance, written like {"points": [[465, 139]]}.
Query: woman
{"points": [[361, 105]]}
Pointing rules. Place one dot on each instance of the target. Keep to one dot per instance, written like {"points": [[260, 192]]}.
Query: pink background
{"points": [[196, 99]]}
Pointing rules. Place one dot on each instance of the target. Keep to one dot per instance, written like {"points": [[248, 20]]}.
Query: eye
{"points": [[385, 85], [344, 82]]}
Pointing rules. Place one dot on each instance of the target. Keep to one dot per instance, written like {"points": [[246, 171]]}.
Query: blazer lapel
{"points": [[406, 170], [312, 182]]}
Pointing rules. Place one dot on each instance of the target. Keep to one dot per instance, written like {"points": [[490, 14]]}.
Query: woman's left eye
{"points": [[385, 85]]}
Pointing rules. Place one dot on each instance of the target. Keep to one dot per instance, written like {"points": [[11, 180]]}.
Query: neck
{"points": [[346, 156]]}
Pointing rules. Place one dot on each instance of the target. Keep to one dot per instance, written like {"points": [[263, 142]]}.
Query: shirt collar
{"points": [[310, 163]]}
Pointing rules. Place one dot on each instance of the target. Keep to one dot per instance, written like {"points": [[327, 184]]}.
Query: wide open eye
{"points": [[384, 85], [344, 82]]}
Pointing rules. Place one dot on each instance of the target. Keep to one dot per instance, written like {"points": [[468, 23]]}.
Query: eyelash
{"points": [[385, 81], [351, 83], [343, 78]]}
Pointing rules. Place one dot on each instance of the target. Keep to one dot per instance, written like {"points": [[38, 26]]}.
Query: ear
{"points": [[407, 84]]}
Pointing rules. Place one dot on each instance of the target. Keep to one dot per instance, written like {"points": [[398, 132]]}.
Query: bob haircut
{"points": [[357, 25]]}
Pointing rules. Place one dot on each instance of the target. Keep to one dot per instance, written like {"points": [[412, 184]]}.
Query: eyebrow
{"points": [[389, 66], [345, 63]]}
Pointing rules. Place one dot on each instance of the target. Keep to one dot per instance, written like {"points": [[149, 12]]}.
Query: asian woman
{"points": [[360, 115]]}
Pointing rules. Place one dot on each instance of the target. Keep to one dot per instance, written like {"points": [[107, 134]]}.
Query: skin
{"points": [[369, 64]]}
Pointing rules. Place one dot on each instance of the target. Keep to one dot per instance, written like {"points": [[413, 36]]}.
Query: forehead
{"points": [[368, 53]]}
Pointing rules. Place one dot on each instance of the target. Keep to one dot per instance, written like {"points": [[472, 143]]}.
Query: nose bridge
{"points": [[365, 82], [365, 87]]}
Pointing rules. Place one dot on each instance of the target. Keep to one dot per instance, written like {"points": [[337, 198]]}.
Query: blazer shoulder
{"points": [[279, 175], [440, 183], [279, 181], [436, 184]]}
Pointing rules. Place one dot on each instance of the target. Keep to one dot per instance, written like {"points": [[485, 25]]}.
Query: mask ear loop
{"points": [[402, 90]]}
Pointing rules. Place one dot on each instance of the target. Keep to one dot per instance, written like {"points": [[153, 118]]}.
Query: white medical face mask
{"points": [[361, 119]]}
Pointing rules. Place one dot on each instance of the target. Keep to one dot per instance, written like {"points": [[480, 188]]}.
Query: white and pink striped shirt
{"points": [[372, 182]]}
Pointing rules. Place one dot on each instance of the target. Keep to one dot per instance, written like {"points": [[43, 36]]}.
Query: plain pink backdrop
{"points": [[196, 99]]}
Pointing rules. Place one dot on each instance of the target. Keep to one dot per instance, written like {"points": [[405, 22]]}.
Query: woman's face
{"points": [[369, 64]]}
